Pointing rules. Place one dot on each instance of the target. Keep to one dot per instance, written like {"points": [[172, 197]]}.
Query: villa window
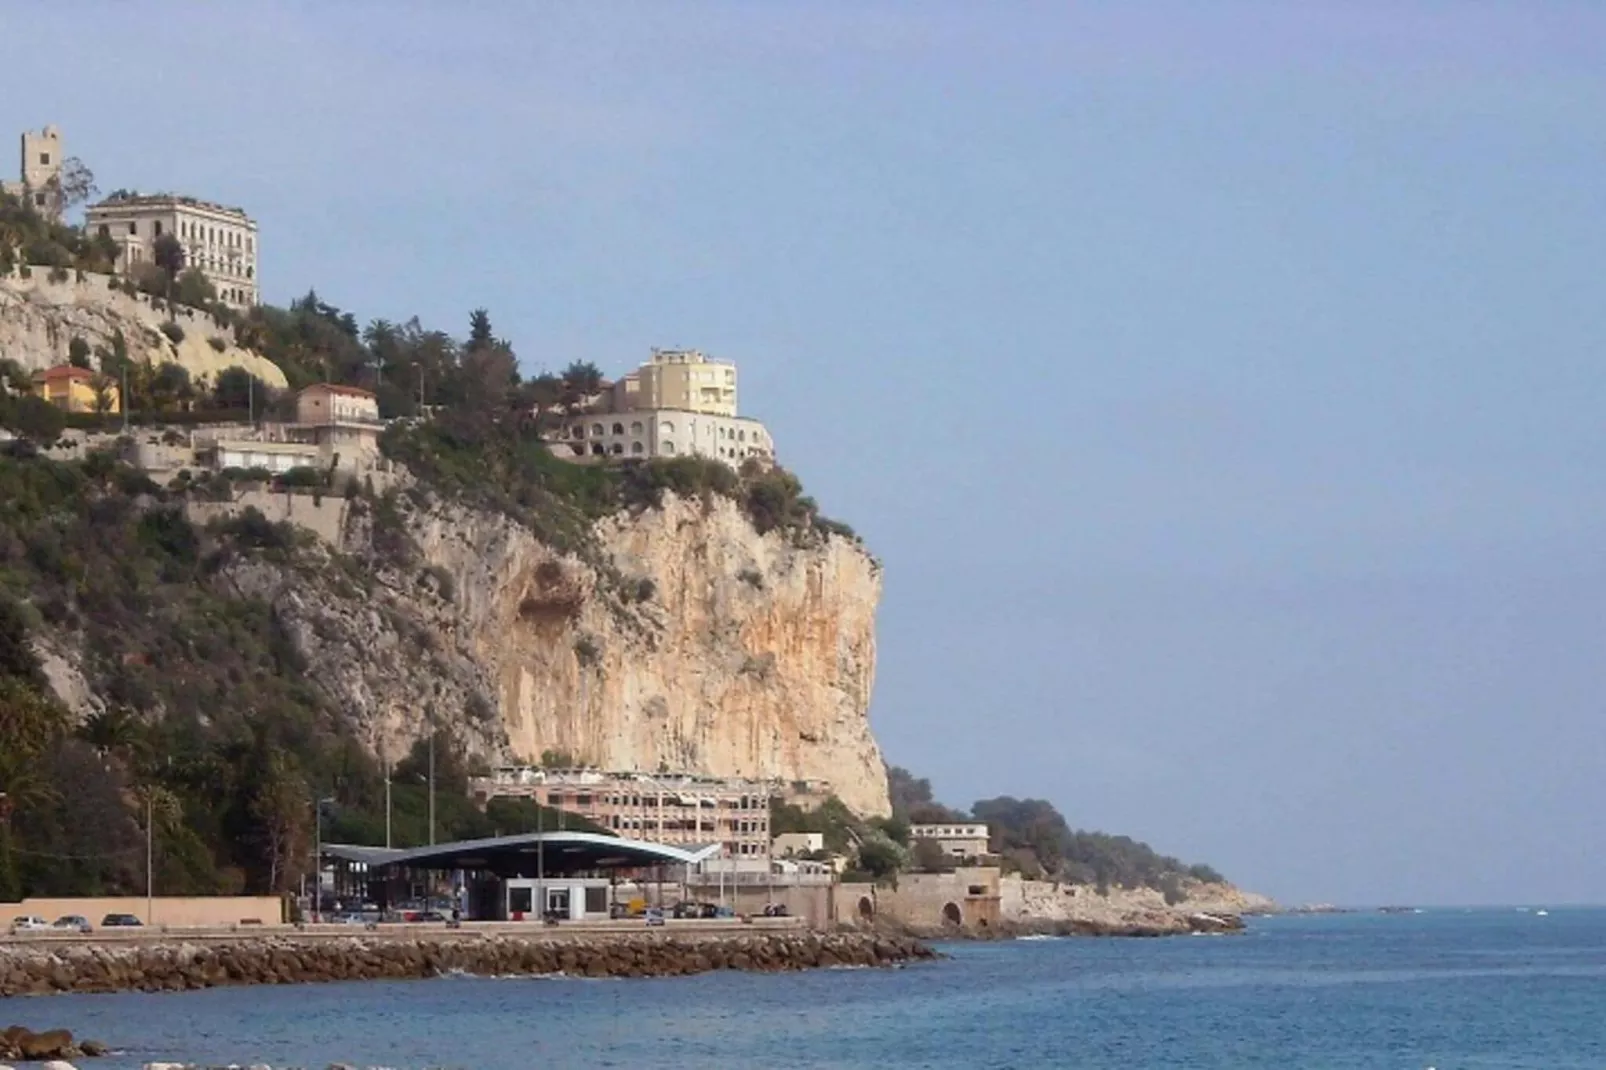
{"points": [[156, 228], [596, 449], [596, 429], [44, 159], [635, 428], [636, 447], [618, 429], [579, 431], [133, 227], [618, 448], [669, 447]]}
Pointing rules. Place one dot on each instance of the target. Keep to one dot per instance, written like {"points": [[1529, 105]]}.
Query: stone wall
{"points": [[42, 968], [173, 911]]}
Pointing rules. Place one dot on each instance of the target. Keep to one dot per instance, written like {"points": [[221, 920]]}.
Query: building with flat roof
{"points": [[675, 809], [957, 838], [218, 241], [678, 404]]}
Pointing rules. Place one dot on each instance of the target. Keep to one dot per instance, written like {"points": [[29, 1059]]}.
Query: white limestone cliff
{"points": [[40, 318], [740, 655]]}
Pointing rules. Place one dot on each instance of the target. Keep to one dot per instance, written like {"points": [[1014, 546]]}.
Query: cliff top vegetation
{"points": [[1033, 838]]}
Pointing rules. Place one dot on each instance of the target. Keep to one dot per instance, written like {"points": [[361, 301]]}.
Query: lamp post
{"points": [[150, 858], [317, 860]]}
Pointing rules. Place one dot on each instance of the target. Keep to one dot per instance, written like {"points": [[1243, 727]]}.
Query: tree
{"points": [[880, 857], [170, 386], [36, 420], [78, 352], [167, 252], [236, 388], [194, 289], [73, 185], [103, 385], [929, 857], [583, 379], [280, 812], [479, 330], [14, 377]]}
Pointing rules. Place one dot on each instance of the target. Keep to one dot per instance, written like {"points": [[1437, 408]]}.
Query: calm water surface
{"points": [[1442, 989]]}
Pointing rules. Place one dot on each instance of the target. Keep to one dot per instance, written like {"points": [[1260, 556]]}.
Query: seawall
{"points": [[177, 964]]}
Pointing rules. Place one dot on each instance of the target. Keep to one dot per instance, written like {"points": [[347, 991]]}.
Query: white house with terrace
{"points": [[678, 404]]}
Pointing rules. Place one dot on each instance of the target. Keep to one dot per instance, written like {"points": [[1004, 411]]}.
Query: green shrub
{"points": [[174, 332], [217, 343]]}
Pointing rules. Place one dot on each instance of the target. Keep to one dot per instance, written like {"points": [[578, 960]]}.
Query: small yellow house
{"points": [[73, 389]]}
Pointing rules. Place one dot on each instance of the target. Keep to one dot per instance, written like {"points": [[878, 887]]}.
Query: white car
{"points": [[29, 923]]}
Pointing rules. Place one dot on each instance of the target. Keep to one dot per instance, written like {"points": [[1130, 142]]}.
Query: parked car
{"points": [[120, 921], [654, 916], [29, 923], [75, 923]]}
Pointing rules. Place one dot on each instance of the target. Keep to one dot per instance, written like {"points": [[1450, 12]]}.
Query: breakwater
{"points": [[176, 964]]}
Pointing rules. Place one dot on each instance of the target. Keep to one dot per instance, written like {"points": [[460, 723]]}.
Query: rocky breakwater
{"points": [[49, 967]]}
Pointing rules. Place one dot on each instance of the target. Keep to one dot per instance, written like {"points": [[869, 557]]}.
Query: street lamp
{"points": [[317, 859]]}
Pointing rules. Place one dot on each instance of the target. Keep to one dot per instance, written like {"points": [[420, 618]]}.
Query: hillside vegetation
{"points": [[212, 718], [1033, 838]]}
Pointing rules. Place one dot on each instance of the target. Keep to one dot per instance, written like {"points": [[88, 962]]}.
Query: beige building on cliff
{"points": [[662, 807], [42, 154], [219, 241], [678, 404]]}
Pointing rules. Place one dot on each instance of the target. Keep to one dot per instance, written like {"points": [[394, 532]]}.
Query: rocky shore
{"points": [[48, 967], [1160, 923]]}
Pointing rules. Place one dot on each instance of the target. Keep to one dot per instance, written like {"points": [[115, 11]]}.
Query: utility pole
{"points": [[387, 800], [432, 776], [150, 856], [540, 861], [123, 399], [251, 399]]}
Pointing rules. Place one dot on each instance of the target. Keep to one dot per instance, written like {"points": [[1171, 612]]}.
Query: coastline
{"points": [[180, 963]]}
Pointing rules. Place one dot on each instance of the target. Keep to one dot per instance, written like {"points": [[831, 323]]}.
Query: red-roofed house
{"points": [[73, 389]]}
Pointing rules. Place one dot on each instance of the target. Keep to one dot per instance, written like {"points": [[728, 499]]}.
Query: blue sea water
{"points": [[1444, 989]]}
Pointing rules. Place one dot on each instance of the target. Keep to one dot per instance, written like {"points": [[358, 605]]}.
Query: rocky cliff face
{"points": [[691, 643], [40, 318]]}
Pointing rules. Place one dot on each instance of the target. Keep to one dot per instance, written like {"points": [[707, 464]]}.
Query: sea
{"points": [[1444, 989]]}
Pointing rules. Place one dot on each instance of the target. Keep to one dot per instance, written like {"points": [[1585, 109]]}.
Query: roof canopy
{"points": [[529, 855]]}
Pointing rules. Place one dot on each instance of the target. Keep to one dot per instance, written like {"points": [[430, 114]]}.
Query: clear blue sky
{"points": [[1222, 384]]}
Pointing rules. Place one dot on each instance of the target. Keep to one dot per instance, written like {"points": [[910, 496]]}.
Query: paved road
{"points": [[410, 931]]}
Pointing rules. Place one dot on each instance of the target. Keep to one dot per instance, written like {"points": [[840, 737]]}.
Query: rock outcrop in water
{"points": [[47, 967]]}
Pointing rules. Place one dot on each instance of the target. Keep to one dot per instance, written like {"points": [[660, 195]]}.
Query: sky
{"points": [[1220, 384]]}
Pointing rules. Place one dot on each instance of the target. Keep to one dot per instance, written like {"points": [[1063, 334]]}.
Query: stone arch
{"points": [[866, 908], [952, 915]]}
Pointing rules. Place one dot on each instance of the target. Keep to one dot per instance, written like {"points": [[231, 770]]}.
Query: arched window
{"points": [[596, 429], [635, 427], [741, 436], [618, 448], [666, 428], [669, 447], [596, 449], [579, 430], [636, 447], [618, 429]]}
